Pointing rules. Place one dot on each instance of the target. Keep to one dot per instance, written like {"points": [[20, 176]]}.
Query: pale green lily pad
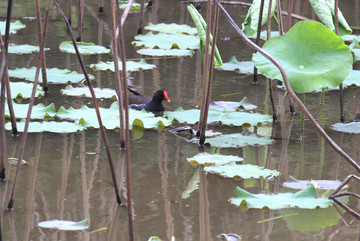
{"points": [[305, 198], [244, 104], [227, 118], [54, 75], [318, 184], [325, 10], [65, 225], [238, 171], [263, 35], [301, 53], [167, 41], [85, 92], [130, 66], [351, 37], [235, 140], [154, 238], [21, 90], [14, 26], [208, 159], [134, 6], [165, 52], [84, 48], [23, 49], [39, 112], [47, 126], [355, 48], [352, 127], [171, 28], [353, 79], [110, 117], [243, 67]]}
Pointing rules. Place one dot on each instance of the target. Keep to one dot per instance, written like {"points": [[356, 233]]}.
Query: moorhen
{"points": [[139, 101]]}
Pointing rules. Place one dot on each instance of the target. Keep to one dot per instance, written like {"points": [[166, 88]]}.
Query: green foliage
{"points": [[165, 52], [14, 27], [23, 49], [134, 6], [318, 184], [85, 92], [65, 225], [305, 198], [84, 48], [39, 112], [54, 75], [244, 104], [172, 28], [21, 90], [311, 55], [130, 66], [243, 67], [238, 171], [352, 127], [208, 159], [48, 126]]}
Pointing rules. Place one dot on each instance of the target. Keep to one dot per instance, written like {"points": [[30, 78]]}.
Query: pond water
{"points": [[69, 176]]}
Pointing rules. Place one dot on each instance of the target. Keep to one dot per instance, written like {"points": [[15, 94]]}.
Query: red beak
{"points": [[166, 96]]}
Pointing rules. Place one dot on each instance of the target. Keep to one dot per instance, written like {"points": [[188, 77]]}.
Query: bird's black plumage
{"points": [[139, 101]]}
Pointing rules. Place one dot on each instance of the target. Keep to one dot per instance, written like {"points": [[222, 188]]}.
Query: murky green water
{"points": [[70, 179]]}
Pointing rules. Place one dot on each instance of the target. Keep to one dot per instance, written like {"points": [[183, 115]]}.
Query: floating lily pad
{"points": [[171, 28], [54, 75], [318, 184], [352, 127], [47, 126], [65, 225], [134, 6], [243, 67], [85, 92], [263, 35], [238, 171], [353, 79], [14, 26], [305, 198], [130, 66], [39, 112], [84, 48], [235, 140], [165, 52], [244, 104], [208, 159], [301, 53], [167, 41], [23, 49], [21, 90], [355, 48]]}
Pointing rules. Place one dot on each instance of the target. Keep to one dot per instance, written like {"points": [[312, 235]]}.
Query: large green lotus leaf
{"points": [[47, 126], [110, 117], [311, 54], [235, 140], [65, 225], [325, 10], [23, 49], [310, 219], [39, 111], [21, 90], [14, 27], [237, 171], [84, 48], [208, 159], [244, 104], [165, 52], [305, 198], [318, 184], [130, 66], [243, 67], [167, 41], [171, 28], [54, 75], [85, 92], [250, 24], [352, 127]]}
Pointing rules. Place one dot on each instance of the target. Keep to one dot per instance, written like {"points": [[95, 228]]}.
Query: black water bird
{"points": [[139, 101]]}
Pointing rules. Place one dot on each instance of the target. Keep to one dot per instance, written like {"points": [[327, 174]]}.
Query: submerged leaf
{"points": [[243, 67], [171, 28], [208, 159], [65, 225], [130, 66], [84, 48], [305, 198]]}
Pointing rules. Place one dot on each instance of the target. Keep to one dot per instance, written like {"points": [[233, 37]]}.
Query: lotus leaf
{"points": [[21, 90], [165, 52], [235, 140], [190, 116], [54, 75], [208, 159], [311, 54], [130, 66], [14, 27], [238, 171], [84, 48], [250, 24], [325, 10], [85, 92], [47, 126], [167, 41], [305, 198], [243, 67], [39, 111], [134, 6], [23, 49], [263, 35], [352, 127], [355, 48], [244, 104], [154, 238], [171, 28], [65, 225], [318, 184]]}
